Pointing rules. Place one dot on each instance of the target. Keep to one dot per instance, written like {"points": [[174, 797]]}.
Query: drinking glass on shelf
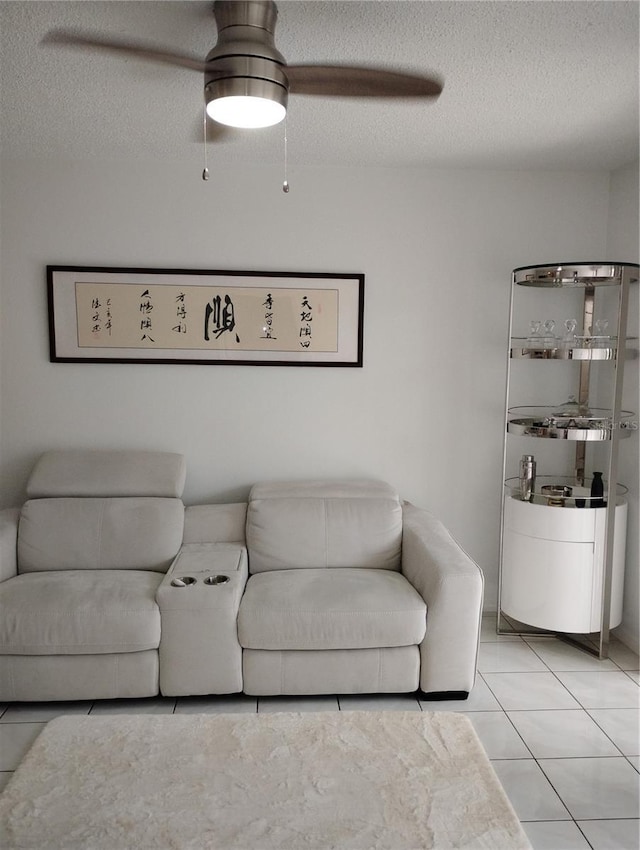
{"points": [[600, 338], [569, 336], [548, 336], [534, 340]]}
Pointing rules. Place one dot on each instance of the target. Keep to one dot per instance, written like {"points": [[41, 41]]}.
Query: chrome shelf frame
{"points": [[546, 423], [521, 351], [587, 276], [572, 274]]}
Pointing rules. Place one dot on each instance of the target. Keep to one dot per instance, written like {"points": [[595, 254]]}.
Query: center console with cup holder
{"points": [[199, 600]]}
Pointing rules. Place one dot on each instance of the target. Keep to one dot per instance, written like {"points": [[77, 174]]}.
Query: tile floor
{"points": [[560, 727]]}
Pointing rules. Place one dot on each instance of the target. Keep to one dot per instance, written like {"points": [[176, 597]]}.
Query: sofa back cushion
{"points": [[323, 524], [99, 533]]}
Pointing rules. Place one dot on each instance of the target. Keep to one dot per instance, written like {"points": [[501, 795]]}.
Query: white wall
{"points": [[623, 235], [425, 412]]}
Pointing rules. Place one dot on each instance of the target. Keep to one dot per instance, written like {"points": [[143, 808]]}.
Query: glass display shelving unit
{"points": [[562, 551]]}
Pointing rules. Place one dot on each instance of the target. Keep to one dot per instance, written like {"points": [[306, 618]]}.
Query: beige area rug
{"points": [[347, 780]]}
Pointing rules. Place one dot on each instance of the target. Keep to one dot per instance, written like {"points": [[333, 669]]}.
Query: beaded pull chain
{"points": [[205, 171], [285, 185]]}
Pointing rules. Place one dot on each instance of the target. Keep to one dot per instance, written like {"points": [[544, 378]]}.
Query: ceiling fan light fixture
{"points": [[245, 111], [245, 102]]}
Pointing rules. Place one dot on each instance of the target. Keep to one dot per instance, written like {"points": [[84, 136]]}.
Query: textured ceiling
{"points": [[527, 84]]}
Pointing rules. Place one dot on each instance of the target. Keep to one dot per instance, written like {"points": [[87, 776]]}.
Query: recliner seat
{"points": [[79, 613], [328, 607]]}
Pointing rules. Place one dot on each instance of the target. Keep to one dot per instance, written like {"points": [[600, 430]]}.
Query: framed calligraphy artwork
{"points": [[120, 315]]}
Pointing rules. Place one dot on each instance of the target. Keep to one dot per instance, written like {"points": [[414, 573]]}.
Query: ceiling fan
{"points": [[247, 80]]}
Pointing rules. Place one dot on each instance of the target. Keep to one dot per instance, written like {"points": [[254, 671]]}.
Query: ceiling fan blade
{"points": [[351, 81], [122, 47]]}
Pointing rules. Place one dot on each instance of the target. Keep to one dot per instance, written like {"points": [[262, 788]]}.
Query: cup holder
{"points": [[184, 581], [215, 580]]}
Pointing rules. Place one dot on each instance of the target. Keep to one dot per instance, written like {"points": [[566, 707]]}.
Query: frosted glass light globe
{"points": [[246, 111]]}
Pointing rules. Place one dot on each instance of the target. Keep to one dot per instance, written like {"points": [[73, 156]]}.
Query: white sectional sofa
{"points": [[110, 587]]}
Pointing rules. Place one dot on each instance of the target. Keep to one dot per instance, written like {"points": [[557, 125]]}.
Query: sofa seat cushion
{"points": [[80, 612], [330, 609]]}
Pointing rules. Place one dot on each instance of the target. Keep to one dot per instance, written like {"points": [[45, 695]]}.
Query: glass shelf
{"points": [[521, 351], [546, 422], [572, 274], [580, 493]]}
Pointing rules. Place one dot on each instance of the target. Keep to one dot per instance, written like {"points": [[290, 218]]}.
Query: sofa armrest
{"points": [[451, 584], [9, 518], [215, 523]]}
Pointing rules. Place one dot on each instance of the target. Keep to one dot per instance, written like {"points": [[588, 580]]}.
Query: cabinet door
{"points": [[548, 583]]}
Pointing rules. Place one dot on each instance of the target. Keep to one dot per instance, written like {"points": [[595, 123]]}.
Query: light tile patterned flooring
{"points": [[560, 727]]}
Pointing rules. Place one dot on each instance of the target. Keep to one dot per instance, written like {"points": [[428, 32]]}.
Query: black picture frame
{"points": [[112, 314]]}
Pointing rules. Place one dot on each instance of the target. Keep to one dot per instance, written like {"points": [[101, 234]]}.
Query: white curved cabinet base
{"points": [[552, 568]]}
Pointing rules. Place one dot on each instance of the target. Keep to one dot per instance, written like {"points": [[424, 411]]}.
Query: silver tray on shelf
{"points": [[580, 493], [548, 423]]}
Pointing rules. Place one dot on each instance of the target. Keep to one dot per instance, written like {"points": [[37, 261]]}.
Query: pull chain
{"points": [[205, 172], [285, 185]]}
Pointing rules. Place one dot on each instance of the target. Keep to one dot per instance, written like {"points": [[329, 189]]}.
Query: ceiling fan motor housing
{"points": [[245, 60]]}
